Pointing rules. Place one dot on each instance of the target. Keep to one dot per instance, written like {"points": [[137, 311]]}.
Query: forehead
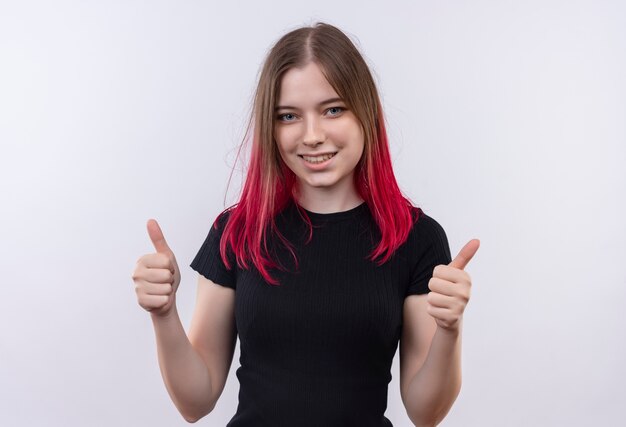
{"points": [[305, 85]]}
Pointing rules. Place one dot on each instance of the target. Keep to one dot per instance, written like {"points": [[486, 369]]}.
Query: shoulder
{"points": [[426, 229], [222, 219], [216, 229]]}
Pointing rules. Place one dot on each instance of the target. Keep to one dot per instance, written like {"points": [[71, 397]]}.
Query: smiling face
{"points": [[318, 138]]}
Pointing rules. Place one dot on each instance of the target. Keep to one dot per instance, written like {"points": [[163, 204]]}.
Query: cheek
{"points": [[349, 133], [361, 139], [285, 153], [284, 158], [285, 138]]}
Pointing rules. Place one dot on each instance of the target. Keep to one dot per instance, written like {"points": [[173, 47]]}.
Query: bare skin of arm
{"points": [[430, 364], [195, 367]]}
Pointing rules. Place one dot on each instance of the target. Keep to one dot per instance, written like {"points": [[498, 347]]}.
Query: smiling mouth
{"points": [[317, 159]]}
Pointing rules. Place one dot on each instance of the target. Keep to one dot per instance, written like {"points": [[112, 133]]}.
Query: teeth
{"points": [[318, 159]]}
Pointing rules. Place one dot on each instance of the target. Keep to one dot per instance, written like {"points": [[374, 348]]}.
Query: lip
{"points": [[317, 166], [318, 154]]}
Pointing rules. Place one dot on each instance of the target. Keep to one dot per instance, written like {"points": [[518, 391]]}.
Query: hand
{"points": [[156, 275], [450, 289]]}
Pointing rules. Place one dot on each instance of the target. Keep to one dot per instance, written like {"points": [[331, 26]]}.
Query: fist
{"points": [[156, 275], [450, 289]]}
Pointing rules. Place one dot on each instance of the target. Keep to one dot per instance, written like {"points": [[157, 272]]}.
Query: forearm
{"points": [[435, 387], [184, 372]]}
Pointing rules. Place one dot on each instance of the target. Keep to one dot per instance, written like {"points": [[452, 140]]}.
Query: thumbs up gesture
{"points": [[156, 275], [450, 289]]}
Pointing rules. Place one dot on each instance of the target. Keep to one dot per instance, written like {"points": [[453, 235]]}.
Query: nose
{"points": [[314, 134]]}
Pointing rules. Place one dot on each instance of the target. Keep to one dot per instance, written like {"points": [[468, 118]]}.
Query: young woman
{"points": [[321, 268]]}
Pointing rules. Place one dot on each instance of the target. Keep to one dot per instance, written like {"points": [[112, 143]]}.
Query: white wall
{"points": [[507, 122]]}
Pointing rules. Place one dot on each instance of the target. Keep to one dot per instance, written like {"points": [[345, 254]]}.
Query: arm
{"points": [[434, 388], [185, 375], [195, 369], [430, 364]]}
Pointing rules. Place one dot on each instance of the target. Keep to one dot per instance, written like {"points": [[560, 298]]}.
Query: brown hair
{"points": [[342, 65]]}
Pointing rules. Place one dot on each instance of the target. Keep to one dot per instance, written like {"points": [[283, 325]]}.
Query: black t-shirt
{"points": [[317, 350]]}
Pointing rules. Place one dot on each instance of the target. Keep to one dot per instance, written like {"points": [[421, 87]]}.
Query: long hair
{"points": [[270, 185]]}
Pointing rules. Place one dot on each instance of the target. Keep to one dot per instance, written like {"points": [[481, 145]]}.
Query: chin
{"points": [[320, 184], [313, 183]]}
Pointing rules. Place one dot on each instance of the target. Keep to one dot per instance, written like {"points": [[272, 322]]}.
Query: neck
{"points": [[329, 202]]}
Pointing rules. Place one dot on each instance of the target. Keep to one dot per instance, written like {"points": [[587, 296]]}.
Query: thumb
{"points": [[465, 255], [156, 235]]}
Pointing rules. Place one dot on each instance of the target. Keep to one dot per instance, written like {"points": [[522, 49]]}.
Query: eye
{"points": [[335, 111], [287, 117]]}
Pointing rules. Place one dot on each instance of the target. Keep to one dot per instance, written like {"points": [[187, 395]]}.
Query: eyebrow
{"points": [[328, 101]]}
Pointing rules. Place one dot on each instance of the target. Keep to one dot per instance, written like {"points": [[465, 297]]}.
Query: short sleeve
{"points": [[208, 261], [428, 247]]}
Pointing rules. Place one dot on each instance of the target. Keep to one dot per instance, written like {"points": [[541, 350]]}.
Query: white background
{"points": [[507, 124]]}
